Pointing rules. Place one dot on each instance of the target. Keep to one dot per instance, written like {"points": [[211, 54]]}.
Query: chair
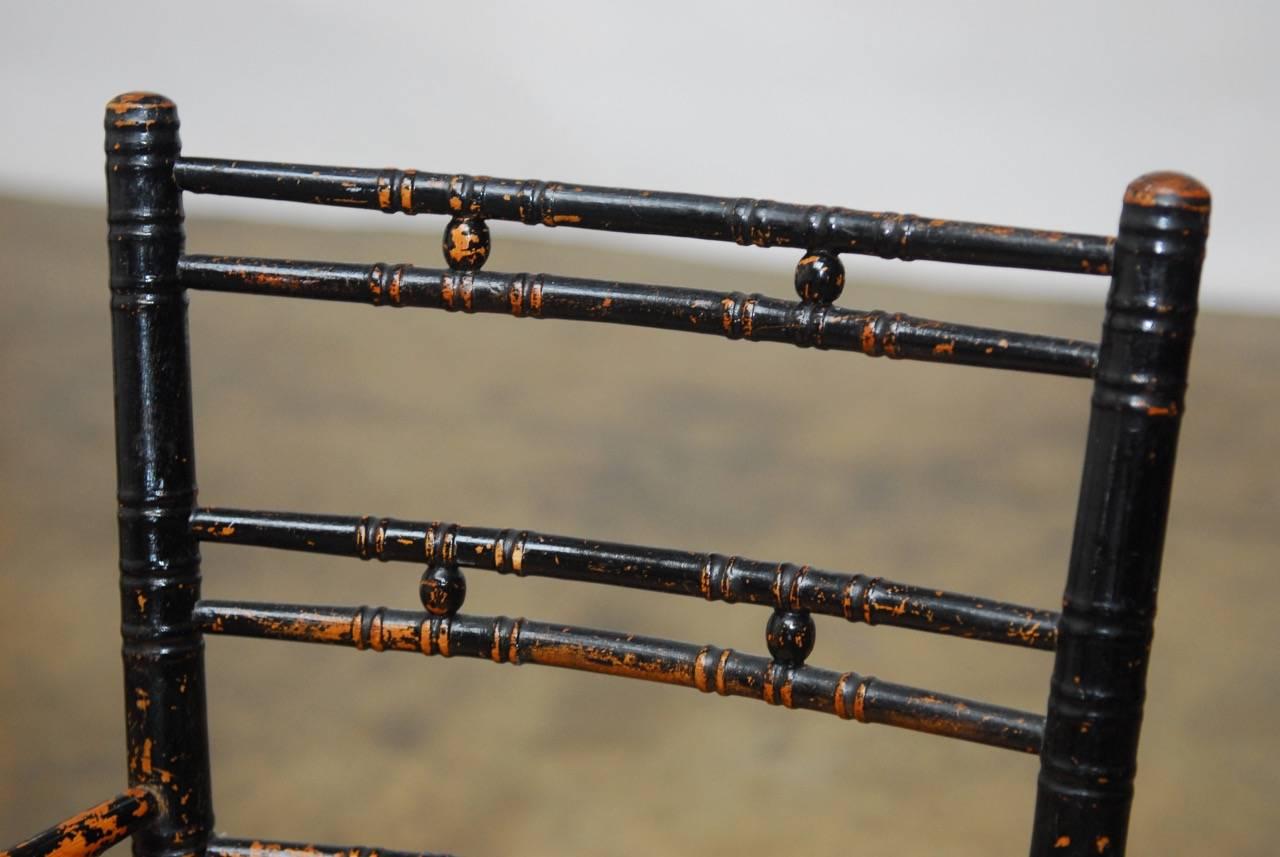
{"points": [[1087, 739]]}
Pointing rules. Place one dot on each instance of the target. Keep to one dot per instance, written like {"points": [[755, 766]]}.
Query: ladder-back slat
{"points": [[221, 846], [763, 223], [869, 599], [707, 668], [733, 315]]}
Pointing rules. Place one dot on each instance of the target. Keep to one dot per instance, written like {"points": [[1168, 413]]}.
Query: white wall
{"points": [[1032, 114]]}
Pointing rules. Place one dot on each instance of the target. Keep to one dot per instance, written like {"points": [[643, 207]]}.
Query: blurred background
{"points": [[964, 479]]}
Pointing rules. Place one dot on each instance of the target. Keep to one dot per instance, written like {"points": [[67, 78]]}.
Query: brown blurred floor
{"points": [[946, 476]]}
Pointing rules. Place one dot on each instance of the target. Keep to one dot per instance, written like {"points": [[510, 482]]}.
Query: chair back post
{"points": [[165, 720], [1088, 759]]}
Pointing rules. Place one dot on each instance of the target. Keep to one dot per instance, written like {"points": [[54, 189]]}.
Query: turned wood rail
{"points": [[1086, 739]]}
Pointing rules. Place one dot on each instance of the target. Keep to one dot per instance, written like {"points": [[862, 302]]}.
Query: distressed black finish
{"points": [[763, 223], [819, 277], [222, 847], [715, 577], [1109, 607], [735, 315], [156, 485], [92, 831], [707, 668], [1088, 739]]}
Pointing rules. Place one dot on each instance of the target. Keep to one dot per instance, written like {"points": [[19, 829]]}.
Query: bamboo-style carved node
{"points": [[819, 277], [442, 590], [441, 544], [466, 243], [371, 538], [895, 234], [790, 636]]}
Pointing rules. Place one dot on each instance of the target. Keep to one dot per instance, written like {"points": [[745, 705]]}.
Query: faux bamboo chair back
{"points": [[1087, 739]]}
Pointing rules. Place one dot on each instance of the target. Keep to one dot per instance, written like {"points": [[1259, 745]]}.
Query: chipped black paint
{"points": [[155, 466], [93, 831], [442, 590], [707, 668], [808, 323], [466, 243], [1109, 606], [761, 222], [715, 577], [1088, 741], [224, 847], [790, 636]]}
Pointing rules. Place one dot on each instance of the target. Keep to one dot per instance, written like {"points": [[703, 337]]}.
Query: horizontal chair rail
{"points": [[221, 846], [93, 831], [733, 315], [716, 577], [763, 223], [728, 673]]}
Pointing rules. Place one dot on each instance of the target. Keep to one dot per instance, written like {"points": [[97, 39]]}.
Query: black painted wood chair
{"points": [[1087, 741]]}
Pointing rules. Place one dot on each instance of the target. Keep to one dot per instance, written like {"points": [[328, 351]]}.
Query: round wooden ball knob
{"points": [[466, 243], [790, 636], [820, 277], [443, 589]]}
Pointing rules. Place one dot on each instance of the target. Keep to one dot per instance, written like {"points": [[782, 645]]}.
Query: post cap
{"points": [[1168, 190]]}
